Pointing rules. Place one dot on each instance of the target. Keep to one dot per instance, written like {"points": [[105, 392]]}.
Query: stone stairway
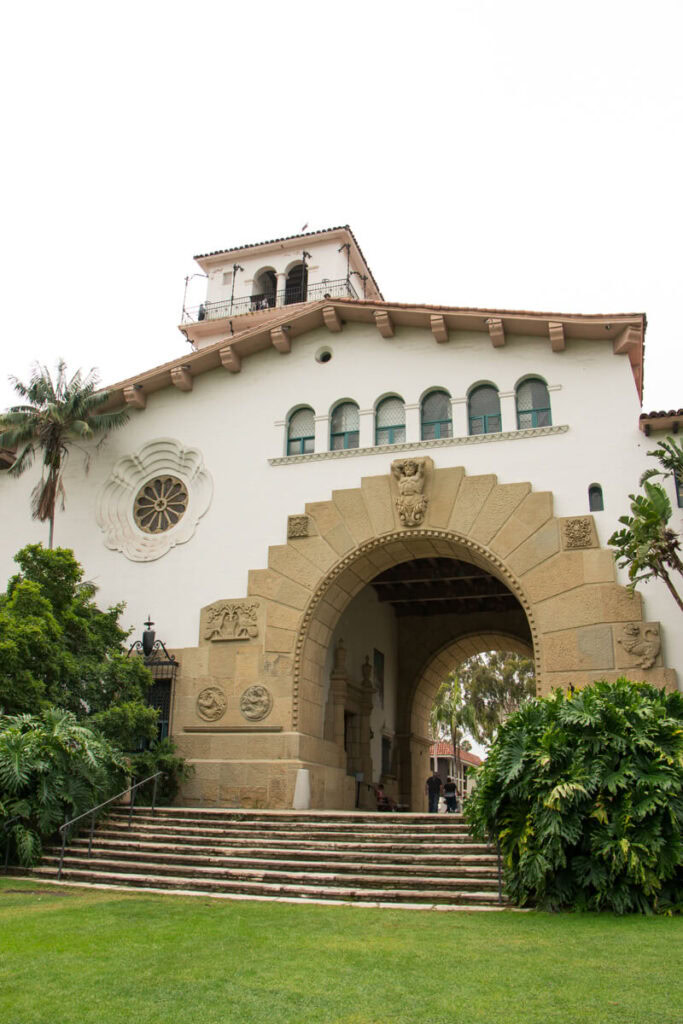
{"points": [[396, 859]]}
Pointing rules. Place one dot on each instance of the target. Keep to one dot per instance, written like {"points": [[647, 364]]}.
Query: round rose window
{"points": [[160, 504]]}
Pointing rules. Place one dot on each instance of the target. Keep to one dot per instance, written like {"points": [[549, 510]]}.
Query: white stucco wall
{"points": [[237, 422]]}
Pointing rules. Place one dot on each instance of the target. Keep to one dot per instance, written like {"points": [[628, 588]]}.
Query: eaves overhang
{"points": [[625, 331], [670, 422]]}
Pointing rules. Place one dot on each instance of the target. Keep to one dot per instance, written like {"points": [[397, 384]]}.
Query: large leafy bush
{"points": [[51, 769], [584, 793]]}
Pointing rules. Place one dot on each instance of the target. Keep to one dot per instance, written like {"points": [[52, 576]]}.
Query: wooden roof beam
{"points": [[135, 397], [230, 360], [385, 325], [439, 328], [331, 319], [629, 339], [182, 378], [496, 331], [280, 339], [556, 335]]}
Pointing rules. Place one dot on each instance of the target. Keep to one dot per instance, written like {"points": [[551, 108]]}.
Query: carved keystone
{"points": [[578, 533], [297, 526]]}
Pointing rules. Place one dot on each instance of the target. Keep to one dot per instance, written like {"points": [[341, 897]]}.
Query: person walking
{"points": [[451, 794], [433, 792]]}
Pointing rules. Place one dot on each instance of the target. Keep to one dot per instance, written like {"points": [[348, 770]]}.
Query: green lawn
{"points": [[69, 956]]}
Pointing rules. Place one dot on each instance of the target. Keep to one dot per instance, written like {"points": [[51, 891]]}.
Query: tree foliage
{"points": [[52, 769], [646, 545], [56, 414], [494, 685], [584, 793], [68, 688]]}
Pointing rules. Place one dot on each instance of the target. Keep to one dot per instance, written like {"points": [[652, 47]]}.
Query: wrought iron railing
{"points": [[270, 300], [94, 811]]}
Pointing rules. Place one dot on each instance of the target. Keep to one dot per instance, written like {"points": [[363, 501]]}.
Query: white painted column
{"points": [[508, 411], [412, 422], [367, 428], [461, 427], [280, 301], [322, 433]]}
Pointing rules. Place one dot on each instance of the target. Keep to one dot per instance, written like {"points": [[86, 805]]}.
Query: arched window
{"points": [[484, 410], [345, 426], [264, 290], [301, 432], [436, 415], [296, 284], [390, 421], [679, 490], [533, 404], [595, 499]]}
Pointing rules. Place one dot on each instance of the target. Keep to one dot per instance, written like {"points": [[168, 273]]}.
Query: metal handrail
{"points": [[93, 811], [5, 829], [223, 308]]}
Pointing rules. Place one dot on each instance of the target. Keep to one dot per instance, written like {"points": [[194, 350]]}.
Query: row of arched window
{"points": [[436, 420]]}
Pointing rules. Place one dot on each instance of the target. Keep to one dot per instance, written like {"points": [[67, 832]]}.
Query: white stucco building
{"points": [[323, 465]]}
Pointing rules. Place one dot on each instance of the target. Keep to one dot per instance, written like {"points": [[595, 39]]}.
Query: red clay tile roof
{"points": [[289, 238], [446, 750]]}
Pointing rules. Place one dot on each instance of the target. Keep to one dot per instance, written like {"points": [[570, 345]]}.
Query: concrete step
{"points": [[290, 828], [289, 833], [260, 888], [77, 853], [239, 835], [265, 817], [366, 879], [250, 853]]}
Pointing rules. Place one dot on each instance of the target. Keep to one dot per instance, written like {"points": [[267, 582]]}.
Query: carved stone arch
{"points": [[582, 624]]}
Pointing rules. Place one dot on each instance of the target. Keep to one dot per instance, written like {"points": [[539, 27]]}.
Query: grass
{"points": [[72, 956]]}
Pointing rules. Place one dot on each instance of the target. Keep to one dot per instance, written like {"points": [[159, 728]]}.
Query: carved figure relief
{"points": [[411, 503], [642, 641], [578, 533], [256, 703], [297, 526], [231, 620], [211, 704]]}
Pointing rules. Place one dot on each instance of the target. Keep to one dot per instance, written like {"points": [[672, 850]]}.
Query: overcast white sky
{"points": [[518, 155]]}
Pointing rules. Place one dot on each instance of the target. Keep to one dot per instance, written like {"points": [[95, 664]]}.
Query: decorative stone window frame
{"points": [[115, 503]]}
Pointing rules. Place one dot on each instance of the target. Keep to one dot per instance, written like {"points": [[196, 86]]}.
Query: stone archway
{"points": [[580, 622]]}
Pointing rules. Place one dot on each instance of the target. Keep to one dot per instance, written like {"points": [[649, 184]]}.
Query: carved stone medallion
{"points": [[211, 704], [256, 703], [411, 503], [642, 641], [297, 526], [578, 533], [231, 620]]}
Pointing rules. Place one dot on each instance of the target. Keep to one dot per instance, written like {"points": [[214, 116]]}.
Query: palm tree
{"points": [[450, 715], [57, 412]]}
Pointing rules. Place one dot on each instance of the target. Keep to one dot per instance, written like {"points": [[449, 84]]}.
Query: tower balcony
{"points": [[240, 305]]}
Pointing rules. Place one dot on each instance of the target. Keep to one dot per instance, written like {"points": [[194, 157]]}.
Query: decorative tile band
{"points": [[411, 446]]}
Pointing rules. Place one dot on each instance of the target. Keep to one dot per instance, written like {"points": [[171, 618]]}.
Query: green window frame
{"points": [[344, 427], [484, 410], [390, 421], [301, 432], [435, 416], [533, 404], [678, 481], [596, 501]]}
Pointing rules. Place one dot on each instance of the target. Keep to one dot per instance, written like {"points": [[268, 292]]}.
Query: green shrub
{"points": [[584, 793], [51, 769], [160, 756]]}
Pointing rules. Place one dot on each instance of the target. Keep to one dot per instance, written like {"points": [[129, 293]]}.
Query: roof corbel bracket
{"points": [[331, 319], [630, 338], [230, 360], [496, 332], [279, 337], [181, 378], [556, 335], [135, 396], [439, 328], [385, 324]]}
